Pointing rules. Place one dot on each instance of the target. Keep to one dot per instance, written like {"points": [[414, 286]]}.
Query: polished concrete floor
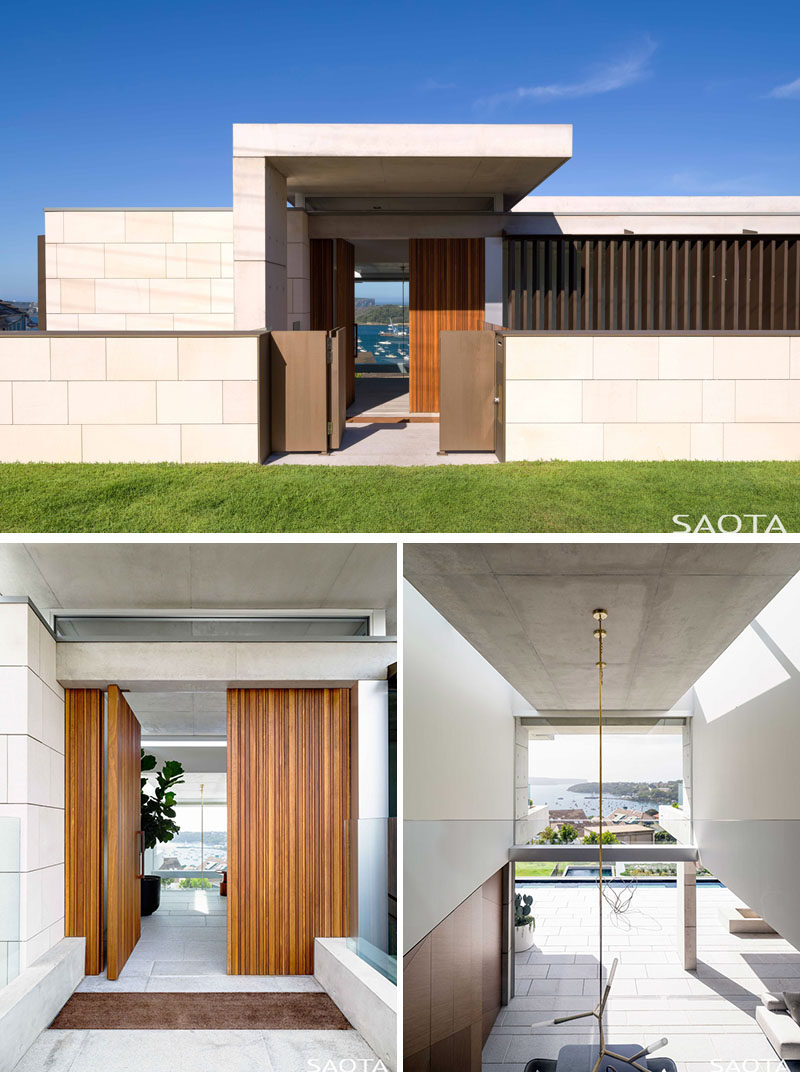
{"points": [[708, 1015], [182, 948]]}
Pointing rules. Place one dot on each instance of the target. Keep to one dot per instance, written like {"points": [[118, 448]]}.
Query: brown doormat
{"points": [[197, 1011]]}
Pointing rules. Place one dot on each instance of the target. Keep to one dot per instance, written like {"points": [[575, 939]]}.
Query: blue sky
{"points": [[111, 104]]}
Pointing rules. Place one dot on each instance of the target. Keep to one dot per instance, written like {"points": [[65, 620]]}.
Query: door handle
{"points": [[140, 835]]}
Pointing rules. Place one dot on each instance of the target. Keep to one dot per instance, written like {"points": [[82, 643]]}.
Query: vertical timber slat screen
{"points": [[446, 293], [288, 808], [632, 283], [83, 823], [124, 920]]}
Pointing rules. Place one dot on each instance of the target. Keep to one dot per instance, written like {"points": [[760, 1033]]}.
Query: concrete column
{"points": [[686, 915], [31, 791], [259, 245], [493, 284], [298, 270]]}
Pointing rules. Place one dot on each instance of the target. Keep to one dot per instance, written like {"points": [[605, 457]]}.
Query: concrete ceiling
{"points": [[202, 576], [672, 609], [360, 159], [184, 714]]}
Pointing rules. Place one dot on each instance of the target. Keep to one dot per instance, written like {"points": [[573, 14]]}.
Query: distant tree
{"points": [[567, 834], [665, 837], [549, 836], [609, 838], [195, 884]]}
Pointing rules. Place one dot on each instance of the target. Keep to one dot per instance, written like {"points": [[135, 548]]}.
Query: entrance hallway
{"points": [[183, 948], [388, 444], [380, 397]]}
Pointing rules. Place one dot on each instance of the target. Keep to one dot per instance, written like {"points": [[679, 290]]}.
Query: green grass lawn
{"points": [[531, 869], [513, 497]]}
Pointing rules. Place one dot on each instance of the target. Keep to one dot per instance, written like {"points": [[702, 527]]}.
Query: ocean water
{"points": [[557, 795], [385, 348]]}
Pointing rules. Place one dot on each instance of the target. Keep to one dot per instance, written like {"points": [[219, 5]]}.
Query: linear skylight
{"points": [[122, 628], [746, 669]]}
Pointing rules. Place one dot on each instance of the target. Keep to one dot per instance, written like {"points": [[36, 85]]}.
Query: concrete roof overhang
{"points": [[672, 610], [402, 159], [205, 576]]}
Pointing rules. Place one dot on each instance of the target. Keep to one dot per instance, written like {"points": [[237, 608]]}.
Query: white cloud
{"points": [[790, 90], [618, 75]]}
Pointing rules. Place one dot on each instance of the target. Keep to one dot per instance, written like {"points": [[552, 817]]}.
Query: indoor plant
{"points": [[158, 820], [524, 923]]}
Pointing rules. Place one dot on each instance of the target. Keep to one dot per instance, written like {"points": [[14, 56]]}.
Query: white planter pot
{"points": [[523, 937]]}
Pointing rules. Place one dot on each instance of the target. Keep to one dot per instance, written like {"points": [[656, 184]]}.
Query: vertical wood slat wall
{"points": [[633, 283], [124, 916], [446, 293], [288, 810], [333, 295], [83, 822]]}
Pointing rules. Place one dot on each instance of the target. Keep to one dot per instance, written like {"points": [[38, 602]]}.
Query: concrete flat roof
{"points": [[396, 159], [672, 609], [648, 205]]}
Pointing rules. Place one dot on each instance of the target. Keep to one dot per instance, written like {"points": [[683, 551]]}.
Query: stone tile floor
{"points": [[708, 1015], [387, 444], [183, 948]]}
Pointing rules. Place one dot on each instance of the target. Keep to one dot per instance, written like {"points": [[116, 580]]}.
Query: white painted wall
{"points": [[31, 791], [458, 762], [746, 790]]}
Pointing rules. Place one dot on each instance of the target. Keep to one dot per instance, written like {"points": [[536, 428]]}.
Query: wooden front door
{"points": [[333, 297], [124, 918], [288, 810], [84, 822], [446, 293]]}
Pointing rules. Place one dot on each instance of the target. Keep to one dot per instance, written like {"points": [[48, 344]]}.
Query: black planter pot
{"points": [[151, 894]]}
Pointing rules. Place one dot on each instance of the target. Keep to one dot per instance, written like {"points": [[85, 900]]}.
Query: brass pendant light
{"points": [[605, 1055]]}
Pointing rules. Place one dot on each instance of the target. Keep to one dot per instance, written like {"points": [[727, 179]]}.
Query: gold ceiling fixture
{"points": [[598, 1012]]}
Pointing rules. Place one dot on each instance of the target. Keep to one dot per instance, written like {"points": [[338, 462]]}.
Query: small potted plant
{"points": [[524, 923], [158, 821]]}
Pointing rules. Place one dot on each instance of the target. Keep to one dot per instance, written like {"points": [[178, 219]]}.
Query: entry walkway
{"points": [[387, 444], [708, 1015], [182, 948]]}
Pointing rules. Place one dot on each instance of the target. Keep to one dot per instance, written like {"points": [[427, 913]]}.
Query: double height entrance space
{"points": [[219, 756]]}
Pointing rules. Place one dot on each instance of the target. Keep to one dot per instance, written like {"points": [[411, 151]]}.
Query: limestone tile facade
{"points": [[139, 270], [31, 791], [129, 398], [646, 397]]}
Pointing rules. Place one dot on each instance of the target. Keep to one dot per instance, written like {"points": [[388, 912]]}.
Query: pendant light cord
{"points": [[599, 616]]}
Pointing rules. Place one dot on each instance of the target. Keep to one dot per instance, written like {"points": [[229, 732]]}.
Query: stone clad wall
{"points": [[649, 397], [31, 791], [139, 269], [137, 398]]}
